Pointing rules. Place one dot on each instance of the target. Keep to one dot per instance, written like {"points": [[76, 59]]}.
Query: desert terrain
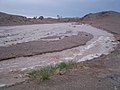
{"points": [[92, 41]]}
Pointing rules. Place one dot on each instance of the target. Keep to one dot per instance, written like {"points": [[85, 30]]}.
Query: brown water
{"points": [[102, 43]]}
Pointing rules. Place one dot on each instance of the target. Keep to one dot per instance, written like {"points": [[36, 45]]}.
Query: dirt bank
{"points": [[41, 47], [108, 20], [97, 74]]}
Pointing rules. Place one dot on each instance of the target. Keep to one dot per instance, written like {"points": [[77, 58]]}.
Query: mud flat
{"points": [[95, 42]]}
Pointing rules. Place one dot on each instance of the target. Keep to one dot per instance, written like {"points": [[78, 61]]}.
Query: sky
{"points": [[64, 8]]}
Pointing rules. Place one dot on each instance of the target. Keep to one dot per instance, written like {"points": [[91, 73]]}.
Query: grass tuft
{"points": [[45, 72], [64, 65]]}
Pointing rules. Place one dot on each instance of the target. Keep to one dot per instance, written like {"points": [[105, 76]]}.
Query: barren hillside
{"points": [[9, 19], [6, 19], [107, 20]]}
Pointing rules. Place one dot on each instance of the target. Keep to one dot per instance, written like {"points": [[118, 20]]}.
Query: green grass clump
{"points": [[64, 65], [45, 72]]}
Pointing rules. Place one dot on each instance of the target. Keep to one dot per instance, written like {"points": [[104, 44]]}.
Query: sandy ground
{"points": [[97, 74], [13, 70]]}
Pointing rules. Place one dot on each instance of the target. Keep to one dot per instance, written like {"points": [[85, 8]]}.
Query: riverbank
{"points": [[97, 74], [101, 43]]}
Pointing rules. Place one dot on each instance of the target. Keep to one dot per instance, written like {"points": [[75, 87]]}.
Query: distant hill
{"points": [[6, 19], [107, 20], [9, 19], [100, 15]]}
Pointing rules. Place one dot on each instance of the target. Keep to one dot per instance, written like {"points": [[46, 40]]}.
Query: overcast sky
{"points": [[65, 8]]}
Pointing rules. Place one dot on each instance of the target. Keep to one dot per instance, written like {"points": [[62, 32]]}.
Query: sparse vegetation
{"points": [[64, 65], [41, 18], [35, 17], [45, 72]]}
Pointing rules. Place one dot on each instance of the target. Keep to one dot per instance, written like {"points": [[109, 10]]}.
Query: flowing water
{"points": [[102, 43]]}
